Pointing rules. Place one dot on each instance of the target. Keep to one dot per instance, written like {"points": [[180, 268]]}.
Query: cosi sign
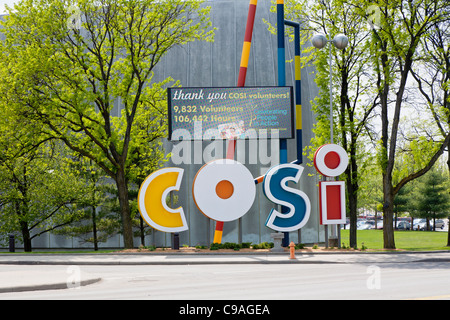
{"points": [[224, 190]]}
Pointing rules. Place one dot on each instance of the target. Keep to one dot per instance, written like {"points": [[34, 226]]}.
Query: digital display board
{"points": [[231, 113]]}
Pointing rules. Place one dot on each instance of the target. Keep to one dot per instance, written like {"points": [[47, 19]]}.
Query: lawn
{"points": [[405, 240]]}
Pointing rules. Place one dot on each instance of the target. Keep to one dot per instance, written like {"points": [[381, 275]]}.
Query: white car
{"points": [[439, 223], [420, 224], [365, 226]]}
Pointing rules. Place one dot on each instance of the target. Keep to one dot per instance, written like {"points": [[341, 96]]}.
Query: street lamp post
{"points": [[340, 41]]}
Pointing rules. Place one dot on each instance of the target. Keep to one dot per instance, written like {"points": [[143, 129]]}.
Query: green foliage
{"points": [[237, 246], [90, 86], [229, 245], [39, 193], [405, 240], [111, 61], [263, 245], [431, 199]]}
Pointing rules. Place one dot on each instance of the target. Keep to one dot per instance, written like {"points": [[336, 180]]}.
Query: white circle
{"points": [[340, 41], [319, 41], [206, 198], [319, 160]]}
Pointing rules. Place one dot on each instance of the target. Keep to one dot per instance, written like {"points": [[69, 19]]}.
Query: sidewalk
{"points": [[42, 279]]}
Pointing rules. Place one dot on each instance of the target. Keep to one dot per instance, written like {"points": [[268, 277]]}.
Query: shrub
{"points": [[263, 245], [246, 245], [226, 245]]}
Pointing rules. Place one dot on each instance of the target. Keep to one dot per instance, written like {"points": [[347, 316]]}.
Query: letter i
{"points": [[331, 160]]}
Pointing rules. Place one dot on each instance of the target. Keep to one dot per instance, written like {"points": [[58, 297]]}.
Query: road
{"points": [[322, 281]]}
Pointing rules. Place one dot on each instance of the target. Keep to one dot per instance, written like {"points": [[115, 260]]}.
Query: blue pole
{"points": [[282, 83], [281, 49], [298, 89]]}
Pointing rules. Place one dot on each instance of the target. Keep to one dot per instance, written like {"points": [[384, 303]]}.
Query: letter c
{"points": [[227, 306], [152, 200]]}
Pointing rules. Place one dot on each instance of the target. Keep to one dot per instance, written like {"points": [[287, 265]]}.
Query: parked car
{"points": [[365, 226], [420, 224], [403, 225], [439, 223]]}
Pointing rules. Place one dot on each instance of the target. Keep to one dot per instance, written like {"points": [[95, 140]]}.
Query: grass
{"points": [[372, 239], [62, 251], [404, 240]]}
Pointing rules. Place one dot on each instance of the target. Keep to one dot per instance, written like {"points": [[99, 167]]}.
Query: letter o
{"points": [[224, 190], [331, 160]]}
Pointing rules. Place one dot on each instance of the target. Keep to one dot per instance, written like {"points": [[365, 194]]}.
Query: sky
{"points": [[10, 3]]}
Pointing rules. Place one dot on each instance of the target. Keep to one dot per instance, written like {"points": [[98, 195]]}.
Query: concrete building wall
{"points": [[202, 64]]}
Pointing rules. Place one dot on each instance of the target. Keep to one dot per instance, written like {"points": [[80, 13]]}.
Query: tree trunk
{"points": [[141, 226], [353, 219], [353, 196], [26, 236], [448, 236], [122, 189], [353, 206], [94, 228], [352, 169], [388, 195], [388, 214]]}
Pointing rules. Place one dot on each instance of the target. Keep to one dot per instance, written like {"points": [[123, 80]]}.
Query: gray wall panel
{"points": [[217, 64], [221, 68]]}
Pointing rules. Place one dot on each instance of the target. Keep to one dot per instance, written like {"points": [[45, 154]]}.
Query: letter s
{"points": [[152, 201], [296, 201]]}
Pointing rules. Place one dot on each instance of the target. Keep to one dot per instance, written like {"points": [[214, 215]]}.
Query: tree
{"points": [[433, 79], [38, 194], [68, 79], [355, 99], [370, 192], [402, 25], [96, 222], [432, 199]]}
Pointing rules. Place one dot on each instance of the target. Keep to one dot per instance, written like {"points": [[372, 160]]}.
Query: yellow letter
{"points": [[152, 201]]}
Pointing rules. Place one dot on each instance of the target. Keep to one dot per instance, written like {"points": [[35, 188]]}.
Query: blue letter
{"points": [[276, 190]]}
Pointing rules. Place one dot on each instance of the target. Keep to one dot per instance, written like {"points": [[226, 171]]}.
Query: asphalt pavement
{"points": [[39, 278]]}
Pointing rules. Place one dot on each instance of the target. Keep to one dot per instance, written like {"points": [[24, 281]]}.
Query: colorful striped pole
{"points": [[241, 82], [247, 43], [298, 89], [281, 66], [281, 49], [219, 224], [282, 83]]}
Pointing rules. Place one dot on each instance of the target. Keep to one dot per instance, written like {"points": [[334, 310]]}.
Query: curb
{"points": [[52, 286]]}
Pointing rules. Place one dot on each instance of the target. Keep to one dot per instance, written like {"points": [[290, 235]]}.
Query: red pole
{"points": [[247, 43], [241, 82]]}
